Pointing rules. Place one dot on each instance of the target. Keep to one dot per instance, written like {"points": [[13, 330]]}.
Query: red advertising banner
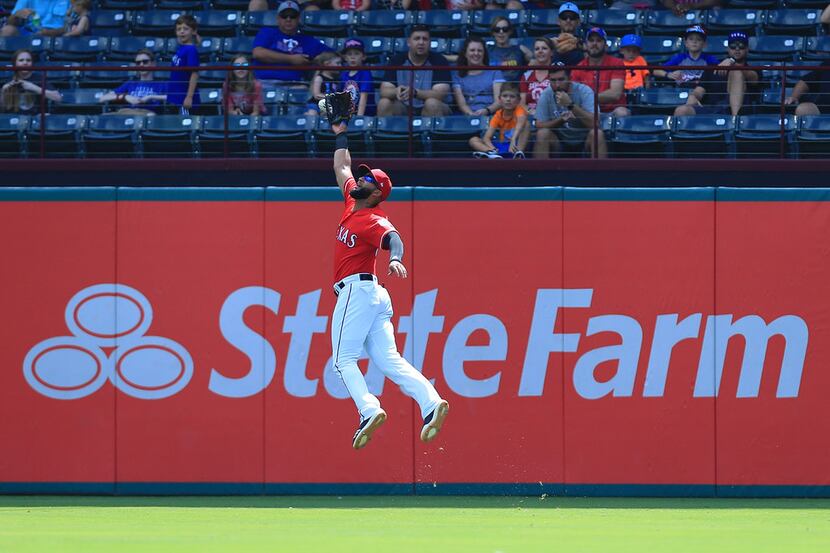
{"points": [[589, 341]]}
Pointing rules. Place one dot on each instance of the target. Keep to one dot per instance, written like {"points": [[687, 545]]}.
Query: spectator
{"points": [[352, 5], [565, 117], [354, 55], [503, 5], [504, 54], [285, 45], [510, 121], [630, 46], [535, 81], [721, 90], [144, 96], [429, 89], [20, 95], [476, 91], [825, 16], [242, 92], [568, 44], [693, 57], [183, 90], [815, 88], [76, 22], [324, 81], [36, 17], [611, 93]]}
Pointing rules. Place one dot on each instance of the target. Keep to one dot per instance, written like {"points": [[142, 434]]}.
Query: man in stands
{"points": [[36, 17], [426, 89], [815, 89], [611, 83], [721, 90], [568, 44], [285, 45]]}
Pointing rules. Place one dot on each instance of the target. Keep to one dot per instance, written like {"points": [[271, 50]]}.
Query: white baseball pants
{"points": [[362, 317]]}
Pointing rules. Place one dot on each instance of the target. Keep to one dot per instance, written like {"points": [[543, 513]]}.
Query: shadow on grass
{"points": [[405, 502]]}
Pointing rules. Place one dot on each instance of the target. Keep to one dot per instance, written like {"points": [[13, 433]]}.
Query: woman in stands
{"points": [[242, 92], [535, 81], [476, 91], [504, 54], [20, 95]]}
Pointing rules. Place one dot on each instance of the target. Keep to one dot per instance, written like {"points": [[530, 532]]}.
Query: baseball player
{"points": [[363, 313]]}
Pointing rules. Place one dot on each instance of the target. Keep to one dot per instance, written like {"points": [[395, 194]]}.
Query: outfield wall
{"points": [[590, 342]]}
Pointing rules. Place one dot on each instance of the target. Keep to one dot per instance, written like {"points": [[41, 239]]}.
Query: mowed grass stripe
{"points": [[410, 524]]}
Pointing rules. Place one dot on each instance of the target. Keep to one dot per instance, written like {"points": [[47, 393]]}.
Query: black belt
{"points": [[361, 276]]}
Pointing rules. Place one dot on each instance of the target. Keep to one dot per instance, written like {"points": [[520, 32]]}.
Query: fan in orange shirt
{"points": [[630, 46]]}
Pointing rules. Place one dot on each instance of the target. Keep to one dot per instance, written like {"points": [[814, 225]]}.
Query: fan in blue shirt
{"points": [[692, 57], [183, 90], [285, 46]]}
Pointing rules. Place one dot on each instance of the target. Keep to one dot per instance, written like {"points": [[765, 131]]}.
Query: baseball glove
{"points": [[338, 107]]}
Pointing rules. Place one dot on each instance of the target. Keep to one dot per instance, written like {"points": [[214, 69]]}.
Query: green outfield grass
{"points": [[411, 524]]}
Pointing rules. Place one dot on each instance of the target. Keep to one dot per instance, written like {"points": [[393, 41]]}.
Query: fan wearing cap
{"points": [[285, 45], [611, 89], [353, 54], [721, 91], [695, 41], [630, 47], [568, 44], [363, 312]]}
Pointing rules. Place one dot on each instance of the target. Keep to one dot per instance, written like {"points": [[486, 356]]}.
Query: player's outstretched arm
{"points": [[342, 158]]}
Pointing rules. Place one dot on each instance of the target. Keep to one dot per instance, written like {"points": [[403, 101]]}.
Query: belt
{"points": [[351, 278]]}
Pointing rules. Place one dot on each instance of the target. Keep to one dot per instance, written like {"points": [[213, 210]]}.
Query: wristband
{"points": [[341, 141], [394, 259]]}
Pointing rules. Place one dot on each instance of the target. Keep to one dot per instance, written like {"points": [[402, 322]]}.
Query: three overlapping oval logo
{"points": [[113, 316]]}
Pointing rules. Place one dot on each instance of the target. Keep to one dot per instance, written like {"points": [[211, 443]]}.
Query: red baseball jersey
{"points": [[358, 237]]}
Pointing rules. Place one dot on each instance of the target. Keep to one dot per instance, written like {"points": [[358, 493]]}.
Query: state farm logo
{"points": [[116, 317]]}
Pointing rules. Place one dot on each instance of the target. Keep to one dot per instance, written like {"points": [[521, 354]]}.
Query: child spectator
{"points": [[242, 93], [476, 91], [77, 18], [693, 57], [144, 96], [510, 121], [324, 81], [354, 55], [20, 95], [535, 81], [630, 46], [184, 91]]}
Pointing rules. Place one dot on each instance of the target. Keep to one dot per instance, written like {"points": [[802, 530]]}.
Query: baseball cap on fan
{"points": [[569, 7], [353, 44], [288, 5], [382, 180]]}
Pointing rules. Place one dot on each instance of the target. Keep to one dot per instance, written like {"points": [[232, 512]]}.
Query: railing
{"points": [[79, 126]]}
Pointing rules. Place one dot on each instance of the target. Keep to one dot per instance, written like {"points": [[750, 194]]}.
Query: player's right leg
{"points": [[352, 318], [381, 347]]}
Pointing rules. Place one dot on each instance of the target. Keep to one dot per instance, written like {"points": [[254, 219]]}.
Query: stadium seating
{"points": [[640, 136], [12, 127], [542, 22], [156, 23], [445, 23], [111, 136], [218, 23], [664, 22], [813, 136], [391, 136], [83, 101], [109, 22], [215, 142], [761, 136], [284, 136], [791, 22], [359, 133], [252, 22], [451, 135], [123, 48], [778, 47], [659, 100], [169, 136], [388, 23], [61, 136], [333, 23], [729, 20], [702, 136], [36, 44], [658, 49], [816, 48], [616, 22]]}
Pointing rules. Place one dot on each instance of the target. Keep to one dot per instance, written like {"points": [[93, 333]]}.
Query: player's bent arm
{"points": [[392, 242]]}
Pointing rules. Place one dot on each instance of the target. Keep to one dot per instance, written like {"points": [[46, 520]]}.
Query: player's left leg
{"points": [[381, 347]]}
